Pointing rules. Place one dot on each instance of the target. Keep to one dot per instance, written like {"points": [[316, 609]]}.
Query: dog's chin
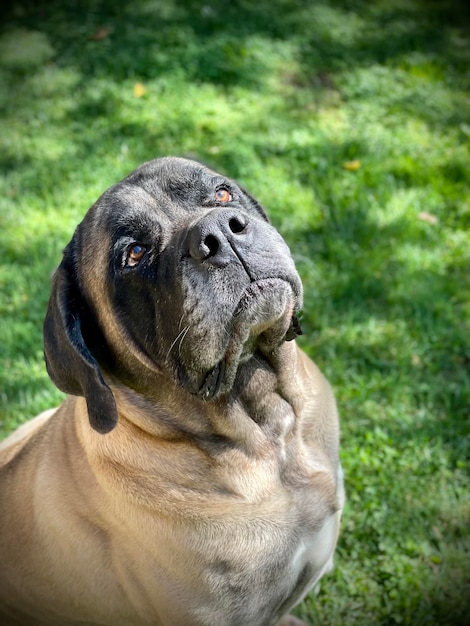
{"points": [[265, 317]]}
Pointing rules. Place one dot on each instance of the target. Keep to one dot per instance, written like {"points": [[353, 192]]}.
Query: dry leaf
{"points": [[427, 217], [351, 166], [100, 34], [139, 90]]}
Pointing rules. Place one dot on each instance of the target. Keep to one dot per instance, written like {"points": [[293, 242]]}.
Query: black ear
{"points": [[256, 205], [69, 362]]}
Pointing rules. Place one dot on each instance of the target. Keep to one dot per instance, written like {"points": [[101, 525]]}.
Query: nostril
{"points": [[216, 236], [236, 225], [212, 245]]}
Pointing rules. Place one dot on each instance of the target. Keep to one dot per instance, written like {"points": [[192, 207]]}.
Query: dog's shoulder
{"points": [[19, 438]]}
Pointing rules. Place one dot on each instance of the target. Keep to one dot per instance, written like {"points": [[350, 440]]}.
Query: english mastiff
{"points": [[191, 477]]}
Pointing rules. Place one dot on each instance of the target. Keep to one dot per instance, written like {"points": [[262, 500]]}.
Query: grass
{"points": [[350, 121]]}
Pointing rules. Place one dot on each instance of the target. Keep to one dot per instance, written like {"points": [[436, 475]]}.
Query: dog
{"points": [[191, 477]]}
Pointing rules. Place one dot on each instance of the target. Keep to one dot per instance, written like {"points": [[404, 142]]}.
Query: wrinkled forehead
{"points": [[167, 184], [176, 180]]}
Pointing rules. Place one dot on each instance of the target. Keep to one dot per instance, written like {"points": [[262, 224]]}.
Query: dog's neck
{"points": [[245, 445], [262, 404]]}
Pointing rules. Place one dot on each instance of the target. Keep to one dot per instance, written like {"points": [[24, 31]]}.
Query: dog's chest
{"points": [[269, 553], [271, 564], [245, 551]]}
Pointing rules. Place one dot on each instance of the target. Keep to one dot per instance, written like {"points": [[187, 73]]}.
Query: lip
{"points": [[213, 381], [254, 313], [257, 289]]}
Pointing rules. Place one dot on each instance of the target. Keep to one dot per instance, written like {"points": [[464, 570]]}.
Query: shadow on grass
{"points": [[370, 279], [222, 43]]}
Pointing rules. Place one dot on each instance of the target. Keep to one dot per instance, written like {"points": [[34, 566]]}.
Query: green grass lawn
{"points": [[350, 121]]}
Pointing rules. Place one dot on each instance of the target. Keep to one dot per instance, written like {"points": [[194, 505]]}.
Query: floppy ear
{"points": [[69, 362], [256, 205]]}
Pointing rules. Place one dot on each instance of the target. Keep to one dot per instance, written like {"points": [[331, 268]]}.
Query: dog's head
{"points": [[174, 271]]}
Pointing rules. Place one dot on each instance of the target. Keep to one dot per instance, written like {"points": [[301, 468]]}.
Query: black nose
{"points": [[218, 237]]}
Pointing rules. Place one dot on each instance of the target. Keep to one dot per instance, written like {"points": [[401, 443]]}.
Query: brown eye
{"points": [[135, 254], [223, 195]]}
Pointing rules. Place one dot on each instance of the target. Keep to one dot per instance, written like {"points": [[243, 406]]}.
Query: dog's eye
{"points": [[135, 254], [223, 195]]}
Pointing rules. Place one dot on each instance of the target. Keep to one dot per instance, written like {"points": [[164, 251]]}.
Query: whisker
{"points": [[181, 334], [182, 338], [181, 319]]}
